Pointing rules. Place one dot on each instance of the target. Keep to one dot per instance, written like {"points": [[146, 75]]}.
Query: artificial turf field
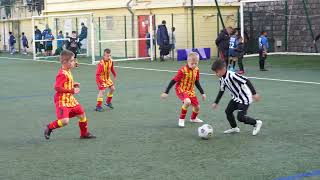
{"points": [[139, 139]]}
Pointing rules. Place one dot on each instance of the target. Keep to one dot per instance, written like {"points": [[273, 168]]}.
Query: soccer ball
{"points": [[205, 131]]}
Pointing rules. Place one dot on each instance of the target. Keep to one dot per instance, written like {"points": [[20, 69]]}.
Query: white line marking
{"points": [[172, 71]]}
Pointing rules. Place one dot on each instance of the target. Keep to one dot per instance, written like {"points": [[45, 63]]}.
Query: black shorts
{"points": [[48, 48]]}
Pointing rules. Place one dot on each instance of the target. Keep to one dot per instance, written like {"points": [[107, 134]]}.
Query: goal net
{"points": [[54, 33], [128, 37], [292, 25]]}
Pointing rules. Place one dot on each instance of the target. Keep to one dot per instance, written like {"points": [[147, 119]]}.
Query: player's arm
{"points": [[198, 85], [243, 80], [219, 96], [98, 73], [60, 80], [176, 79], [113, 71], [170, 85]]}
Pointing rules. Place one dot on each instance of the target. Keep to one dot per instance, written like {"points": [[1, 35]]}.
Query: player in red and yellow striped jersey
{"points": [[66, 104], [186, 78], [104, 81]]}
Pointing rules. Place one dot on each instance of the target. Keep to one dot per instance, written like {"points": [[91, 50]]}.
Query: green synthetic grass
{"points": [[139, 139]]}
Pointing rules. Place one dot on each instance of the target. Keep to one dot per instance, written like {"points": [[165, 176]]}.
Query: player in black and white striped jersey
{"points": [[243, 94]]}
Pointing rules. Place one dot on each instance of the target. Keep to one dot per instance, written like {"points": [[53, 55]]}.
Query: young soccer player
{"points": [[233, 45], [66, 104], [240, 53], [103, 80], [24, 42], [263, 50], [186, 78], [242, 92]]}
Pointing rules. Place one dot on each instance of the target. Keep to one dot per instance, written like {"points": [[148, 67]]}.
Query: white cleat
{"points": [[232, 130], [196, 120], [181, 123], [257, 128]]}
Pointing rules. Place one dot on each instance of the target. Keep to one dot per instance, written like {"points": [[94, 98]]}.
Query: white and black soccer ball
{"points": [[205, 131]]}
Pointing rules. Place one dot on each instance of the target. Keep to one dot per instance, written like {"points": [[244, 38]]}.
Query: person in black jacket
{"points": [[222, 42], [163, 40]]}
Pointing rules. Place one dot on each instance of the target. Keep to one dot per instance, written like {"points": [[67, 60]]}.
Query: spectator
{"points": [[172, 40], [73, 44], [25, 43], [60, 42], [12, 42], [222, 42], [163, 40], [38, 36], [48, 47], [83, 38]]}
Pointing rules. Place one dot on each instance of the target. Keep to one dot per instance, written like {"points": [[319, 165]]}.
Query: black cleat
{"points": [[47, 132], [109, 106], [88, 136]]}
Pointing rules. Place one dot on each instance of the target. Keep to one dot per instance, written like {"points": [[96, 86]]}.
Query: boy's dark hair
{"points": [[60, 32], [163, 22], [22, 33], [10, 32], [173, 28], [218, 65], [73, 32], [262, 32], [107, 51], [36, 27]]}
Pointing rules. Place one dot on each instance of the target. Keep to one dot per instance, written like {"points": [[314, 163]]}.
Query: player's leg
{"points": [[240, 64], [184, 109], [62, 120], [100, 98], [83, 122], [242, 117], [195, 110], [109, 97], [232, 106]]}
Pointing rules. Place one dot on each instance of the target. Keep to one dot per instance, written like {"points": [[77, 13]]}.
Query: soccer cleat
{"points": [[47, 132], [99, 109], [88, 136], [181, 123], [257, 128], [196, 120], [232, 130], [109, 105]]}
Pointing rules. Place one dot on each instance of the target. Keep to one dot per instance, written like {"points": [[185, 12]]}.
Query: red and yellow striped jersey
{"points": [[186, 78], [64, 87], [104, 68]]}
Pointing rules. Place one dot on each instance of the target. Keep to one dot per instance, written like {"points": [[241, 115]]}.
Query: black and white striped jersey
{"points": [[237, 85]]}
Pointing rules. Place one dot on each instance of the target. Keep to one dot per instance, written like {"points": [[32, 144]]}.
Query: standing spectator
{"points": [[49, 37], [60, 42], [12, 42], [73, 44], [263, 50], [172, 40], [44, 34], [148, 42], [38, 36], [163, 40], [25, 43], [83, 37], [66, 41], [222, 42], [240, 53]]}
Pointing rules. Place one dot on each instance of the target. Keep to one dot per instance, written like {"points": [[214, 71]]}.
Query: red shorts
{"points": [[183, 96], [69, 112], [103, 86]]}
